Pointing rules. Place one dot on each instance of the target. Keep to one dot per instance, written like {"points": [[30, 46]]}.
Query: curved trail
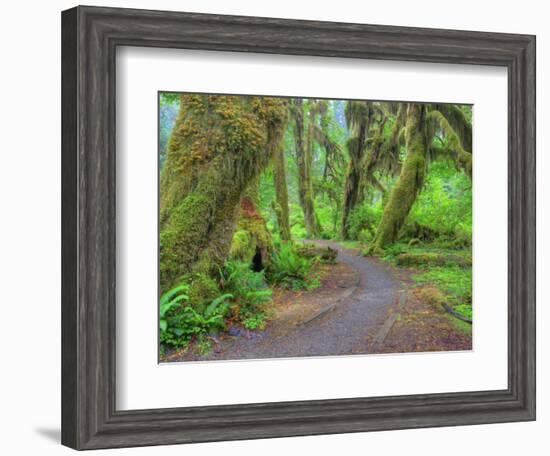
{"points": [[343, 330]]}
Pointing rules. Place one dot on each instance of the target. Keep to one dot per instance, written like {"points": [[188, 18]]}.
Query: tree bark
{"points": [[410, 182], [252, 242], [353, 183], [356, 149], [218, 146], [281, 192], [304, 159]]}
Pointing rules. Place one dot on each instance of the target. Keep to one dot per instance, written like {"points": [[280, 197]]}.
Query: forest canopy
{"points": [[244, 180]]}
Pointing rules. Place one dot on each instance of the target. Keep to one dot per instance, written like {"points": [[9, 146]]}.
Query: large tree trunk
{"points": [[218, 146], [304, 160], [252, 242], [281, 192], [356, 148], [411, 180]]}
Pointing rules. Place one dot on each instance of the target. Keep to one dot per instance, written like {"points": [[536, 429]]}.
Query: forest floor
{"points": [[362, 305]]}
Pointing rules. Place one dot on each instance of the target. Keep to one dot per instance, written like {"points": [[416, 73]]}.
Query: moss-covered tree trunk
{"points": [[281, 192], [252, 242], [411, 179], [353, 178], [218, 146], [304, 160]]}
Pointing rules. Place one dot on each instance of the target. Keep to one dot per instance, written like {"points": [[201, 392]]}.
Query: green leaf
{"points": [[215, 303], [166, 297]]}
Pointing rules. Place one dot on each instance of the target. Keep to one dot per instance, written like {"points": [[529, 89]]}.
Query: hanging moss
{"points": [[375, 147], [303, 137], [219, 145], [454, 146]]}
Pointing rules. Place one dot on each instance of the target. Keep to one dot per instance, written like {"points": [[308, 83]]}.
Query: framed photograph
{"points": [[282, 228]]}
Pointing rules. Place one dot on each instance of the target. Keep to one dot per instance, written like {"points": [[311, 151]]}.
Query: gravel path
{"points": [[343, 330]]}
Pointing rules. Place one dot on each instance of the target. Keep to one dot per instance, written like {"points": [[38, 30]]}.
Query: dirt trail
{"points": [[356, 313]]}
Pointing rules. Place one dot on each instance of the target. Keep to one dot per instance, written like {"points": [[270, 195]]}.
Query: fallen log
{"points": [[325, 254], [432, 258]]}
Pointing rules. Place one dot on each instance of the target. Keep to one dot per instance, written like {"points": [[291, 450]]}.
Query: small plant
{"points": [[179, 323], [363, 221], [248, 288], [168, 301], [204, 345], [254, 322], [291, 270], [212, 319]]}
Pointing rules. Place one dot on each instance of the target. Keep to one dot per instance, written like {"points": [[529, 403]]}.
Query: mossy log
{"points": [[432, 259], [325, 254], [218, 146]]}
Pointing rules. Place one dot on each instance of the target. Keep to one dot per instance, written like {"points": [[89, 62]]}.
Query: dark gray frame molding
{"points": [[90, 36]]}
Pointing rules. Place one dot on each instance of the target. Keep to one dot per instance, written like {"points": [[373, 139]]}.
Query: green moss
{"points": [[218, 146], [280, 206], [432, 258], [454, 286], [462, 157], [203, 289], [210, 126], [409, 183], [303, 137], [243, 246], [251, 235]]}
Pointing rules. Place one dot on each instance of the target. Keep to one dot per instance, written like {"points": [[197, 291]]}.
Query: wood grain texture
{"points": [[90, 36]]}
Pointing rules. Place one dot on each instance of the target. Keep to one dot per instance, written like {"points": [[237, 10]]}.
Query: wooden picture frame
{"points": [[90, 36]]}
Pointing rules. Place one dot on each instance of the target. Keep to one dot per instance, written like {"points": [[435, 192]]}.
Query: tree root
{"points": [[454, 313]]}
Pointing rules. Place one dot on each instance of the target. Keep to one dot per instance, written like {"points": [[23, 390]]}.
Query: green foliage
{"points": [[217, 145], [204, 345], [243, 295], [445, 205], [363, 221], [291, 270], [254, 322], [242, 245], [248, 288], [455, 282], [179, 323], [297, 225], [169, 300], [391, 252], [326, 215], [432, 259]]}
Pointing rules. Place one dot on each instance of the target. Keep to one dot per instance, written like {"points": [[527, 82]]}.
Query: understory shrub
{"points": [[443, 209], [291, 270], [363, 220], [249, 291], [179, 322]]}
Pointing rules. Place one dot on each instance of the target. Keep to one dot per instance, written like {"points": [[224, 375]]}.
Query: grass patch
{"points": [[448, 270], [459, 325], [455, 284]]}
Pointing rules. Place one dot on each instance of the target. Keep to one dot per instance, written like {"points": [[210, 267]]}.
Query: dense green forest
{"points": [[246, 181]]}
